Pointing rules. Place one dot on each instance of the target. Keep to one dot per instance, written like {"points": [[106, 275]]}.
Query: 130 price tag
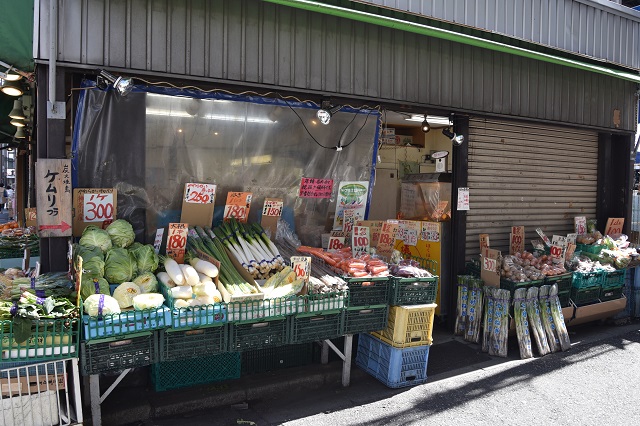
{"points": [[200, 193], [177, 241], [301, 266], [360, 240], [97, 207]]}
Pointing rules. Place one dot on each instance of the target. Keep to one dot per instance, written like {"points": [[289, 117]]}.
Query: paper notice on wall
{"points": [[408, 198], [463, 198]]}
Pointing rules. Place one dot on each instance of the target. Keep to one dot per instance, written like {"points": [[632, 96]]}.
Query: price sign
{"points": [[360, 241], [349, 220], [237, 206], [200, 193], [556, 251], [571, 248], [463, 198], [489, 264], [336, 241], [559, 240], [30, 216], [409, 231], [177, 241], [97, 207], [484, 241], [430, 232], [580, 225], [272, 208], [158, 241], [302, 266], [544, 237], [571, 238], [614, 226], [516, 240]]}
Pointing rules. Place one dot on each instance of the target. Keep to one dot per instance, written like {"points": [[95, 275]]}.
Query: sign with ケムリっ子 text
{"points": [[53, 197]]}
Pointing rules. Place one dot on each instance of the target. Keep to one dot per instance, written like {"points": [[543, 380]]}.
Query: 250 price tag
{"points": [[97, 207], [200, 193]]}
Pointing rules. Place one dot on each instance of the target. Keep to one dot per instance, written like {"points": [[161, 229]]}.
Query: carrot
{"points": [[359, 274], [375, 270]]}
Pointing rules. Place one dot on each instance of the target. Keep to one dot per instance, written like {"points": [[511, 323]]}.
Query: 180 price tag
{"points": [[97, 207], [237, 206], [177, 241], [239, 213]]}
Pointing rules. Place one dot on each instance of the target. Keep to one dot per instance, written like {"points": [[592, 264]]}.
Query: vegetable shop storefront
{"points": [[221, 101]]}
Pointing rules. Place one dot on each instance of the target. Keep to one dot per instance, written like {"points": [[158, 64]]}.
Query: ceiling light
{"points": [[425, 125], [11, 88], [17, 112], [325, 113], [12, 76], [122, 85], [20, 133], [184, 114], [434, 120], [18, 122]]}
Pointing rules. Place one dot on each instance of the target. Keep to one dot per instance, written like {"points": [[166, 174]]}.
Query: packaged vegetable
{"points": [[147, 301], [101, 304], [125, 293]]}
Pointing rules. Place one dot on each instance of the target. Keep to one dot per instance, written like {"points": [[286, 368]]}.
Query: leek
{"points": [[533, 309], [522, 323]]}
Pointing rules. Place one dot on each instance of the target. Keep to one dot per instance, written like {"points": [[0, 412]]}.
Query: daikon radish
{"points": [[190, 275], [173, 269], [204, 267]]}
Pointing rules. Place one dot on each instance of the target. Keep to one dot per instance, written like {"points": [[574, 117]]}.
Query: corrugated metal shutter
{"points": [[527, 174]]}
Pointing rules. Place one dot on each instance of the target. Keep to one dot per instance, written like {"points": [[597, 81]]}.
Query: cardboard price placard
{"points": [[614, 226], [348, 221], [198, 204], [490, 267], [336, 241], [30, 216], [375, 226], [360, 242], [409, 231], [177, 241], [387, 238], [571, 238], [200, 193], [93, 206], [237, 206], [568, 254], [516, 240], [54, 197], [544, 237], [559, 240], [556, 251], [484, 241], [302, 266], [580, 225], [271, 212], [489, 264]]}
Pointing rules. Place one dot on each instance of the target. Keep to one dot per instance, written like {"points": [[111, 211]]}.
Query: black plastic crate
{"points": [[138, 350], [414, 291], [512, 286], [562, 281], [581, 296], [565, 298], [364, 320], [264, 334], [183, 344], [313, 327], [370, 291], [276, 358], [611, 293], [196, 371]]}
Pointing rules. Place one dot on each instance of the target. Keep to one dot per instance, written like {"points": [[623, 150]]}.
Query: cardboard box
{"points": [[596, 311], [33, 384], [488, 275]]}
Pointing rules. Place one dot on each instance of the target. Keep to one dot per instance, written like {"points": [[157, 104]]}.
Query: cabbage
{"points": [[125, 293], [94, 268], [101, 304], [121, 233], [147, 301], [87, 252], [89, 286], [92, 236], [146, 258], [147, 282], [120, 266]]}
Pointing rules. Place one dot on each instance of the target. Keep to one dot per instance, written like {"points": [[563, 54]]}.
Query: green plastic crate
{"points": [[313, 327], [589, 248], [611, 293], [370, 291], [581, 296], [50, 339], [197, 316], [586, 279], [195, 371], [249, 311], [614, 279], [258, 335], [365, 320], [100, 356], [414, 291], [565, 298], [512, 286], [426, 264], [276, 358], [325, 303], [562, 281], [199, 342]]}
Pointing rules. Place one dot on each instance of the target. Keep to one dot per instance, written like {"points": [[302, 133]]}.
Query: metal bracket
{"points": [[56, 110]]}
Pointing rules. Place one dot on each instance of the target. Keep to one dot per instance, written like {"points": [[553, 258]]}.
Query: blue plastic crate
{"points": [[193, 317], [125, 322], [394, 367]]}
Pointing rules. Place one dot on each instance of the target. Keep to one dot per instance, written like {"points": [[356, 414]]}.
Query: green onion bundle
{"points": [[500, 327], [461, 309], [522, 323], [474, 311], [547, 319], [558, 318], [533, 309], [488, 317]]}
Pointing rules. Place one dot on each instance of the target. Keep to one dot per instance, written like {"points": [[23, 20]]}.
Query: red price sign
{"points": [[360, 241], [237, 206], [97, 207], [335, 244], [177, 241], [301, 266], [580, 223], [272, 208], [556, 251], [489, 264], [200, 193], [614, 226], [31, 214]]}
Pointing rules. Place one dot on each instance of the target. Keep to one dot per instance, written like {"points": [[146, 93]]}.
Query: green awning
{"points": [[16, 33]]}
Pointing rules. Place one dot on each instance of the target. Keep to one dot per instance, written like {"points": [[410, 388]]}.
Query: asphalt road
{"points": [[594, 383]]}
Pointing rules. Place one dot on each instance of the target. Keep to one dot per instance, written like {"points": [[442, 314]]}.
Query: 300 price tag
{"points": [[489, 264], [200, 193], [97, 207]]}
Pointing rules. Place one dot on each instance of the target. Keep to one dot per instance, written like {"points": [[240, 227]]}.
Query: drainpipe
{"points": [[55, 110], [413, 27]]}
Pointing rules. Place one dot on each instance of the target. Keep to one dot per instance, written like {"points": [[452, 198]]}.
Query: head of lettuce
{"points": [[121, 233], [120, 266]]}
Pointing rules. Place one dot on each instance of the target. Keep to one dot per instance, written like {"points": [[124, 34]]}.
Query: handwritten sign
{"points": [[336, 241], [489, 264], [158, 240], [54, 197], [30, 216], [316, 188], [200, 193], [301, 266], [177, 241], [544, 237], [93, 206], [484, 241], [463, 198], [571, 238], [387, 238], [559, 240], [430, 232], [97, 207], [237, 206], [580, 225], [408, 232], [516, 240], [272, 208], [408, 199], [556, 251], [349, 220], [374, 229], [360, 242], [614, 226]]}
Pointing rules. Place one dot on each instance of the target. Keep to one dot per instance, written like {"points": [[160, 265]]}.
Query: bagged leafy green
{"points": [[146, 258], [121, 233], [120, 266], [93, 236], [91, 285]]}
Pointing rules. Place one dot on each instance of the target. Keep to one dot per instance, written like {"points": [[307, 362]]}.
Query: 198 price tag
{"points": [[97, 207]]}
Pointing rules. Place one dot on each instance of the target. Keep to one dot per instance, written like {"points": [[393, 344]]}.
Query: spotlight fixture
{"points": [[11, 88], [456, 139], [425, 125], [12, 76], [17, 112], [325, 113], [20, 133], [122, 85], [18, 122]]}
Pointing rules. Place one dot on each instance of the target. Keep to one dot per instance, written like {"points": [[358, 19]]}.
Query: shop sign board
{"points": [[315, 188], [352, 195], [614, 226], [54, 197], [198, 202], [177, 241], [271, 212], [93, 206], [360, 242], [237, 206], [516, 240]]}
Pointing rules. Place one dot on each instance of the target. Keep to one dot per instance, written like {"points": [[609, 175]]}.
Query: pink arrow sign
{"points": [[62, 227]]}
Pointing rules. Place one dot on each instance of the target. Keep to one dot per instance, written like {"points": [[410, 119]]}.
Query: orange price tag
{"points": [[237, 206], [177, 241]]}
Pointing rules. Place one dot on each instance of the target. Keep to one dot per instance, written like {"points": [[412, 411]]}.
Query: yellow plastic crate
{"points": [[408, 326]]}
